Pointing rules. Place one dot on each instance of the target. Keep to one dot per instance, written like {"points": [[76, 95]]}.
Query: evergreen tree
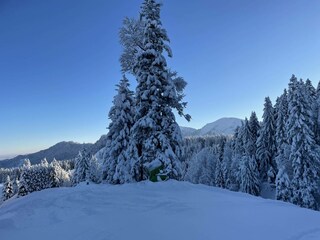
{"points": [[248, 171], [94, 170], [131, 39], [219, 176], [266, 141], [317, 114], [238, 153], [22, 189], [303, 156], [249, 176], [283, 189], [311, 98], [7, 191], [226, 165], [156, 134], [254, 127], [118, 154], [58, 177], [281, 120], [24, 178], [26, 163], [81, 167]]}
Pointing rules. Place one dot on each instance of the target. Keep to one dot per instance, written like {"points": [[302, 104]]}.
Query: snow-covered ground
{"points": [[167, 210]]}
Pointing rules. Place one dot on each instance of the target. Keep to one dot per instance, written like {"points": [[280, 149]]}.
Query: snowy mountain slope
{"points": [[157, 211], [223, 126], [188, 131]]}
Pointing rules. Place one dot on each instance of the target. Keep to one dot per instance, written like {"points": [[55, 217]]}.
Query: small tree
{"points": [[81, 167], [23, 188], [7, 191], [94, 170]]}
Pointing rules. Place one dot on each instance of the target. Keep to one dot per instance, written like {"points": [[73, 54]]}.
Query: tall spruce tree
{"points": [[301, 139], [226, 165], [156, 134], [248, 169], [266, 142], [283, 190], [317, 114], [254, 127], [117, 156]]}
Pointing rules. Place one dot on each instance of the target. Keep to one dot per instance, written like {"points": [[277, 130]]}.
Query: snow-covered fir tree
{"points": [[248, 170], [131, 39], [219, 176], [226, 165], [7, 191], [118, 155], [24, 181], [156, 134], [58, 176], [280, 132], [311, 97], [26, 163], [254, 127], [238, 153], [283, 188], [266, 148], [249, 176], [303, 156], [81, 167], [317, 114], [94, 170], [22, 187]]}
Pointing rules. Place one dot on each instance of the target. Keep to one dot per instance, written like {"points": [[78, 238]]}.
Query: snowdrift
{"points": [[157, 211]]}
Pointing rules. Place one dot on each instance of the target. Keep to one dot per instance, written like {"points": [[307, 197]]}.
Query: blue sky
{"points": [[59, 61]]}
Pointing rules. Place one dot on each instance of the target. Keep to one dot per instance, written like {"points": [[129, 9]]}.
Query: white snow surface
{"points": [[157, 211]]}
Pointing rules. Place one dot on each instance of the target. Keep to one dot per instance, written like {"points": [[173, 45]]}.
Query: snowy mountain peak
{"points": [[222, 126]]}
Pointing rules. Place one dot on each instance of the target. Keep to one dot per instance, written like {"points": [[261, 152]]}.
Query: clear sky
{"points": [[59, 61]]}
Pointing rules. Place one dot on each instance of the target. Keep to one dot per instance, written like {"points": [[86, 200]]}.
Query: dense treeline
{"points": [[15, 173], [283, 149], [30, 178]]}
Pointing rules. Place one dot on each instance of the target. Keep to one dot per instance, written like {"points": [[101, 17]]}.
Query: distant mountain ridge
{"points": [[60, 151], [222, 126]]}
